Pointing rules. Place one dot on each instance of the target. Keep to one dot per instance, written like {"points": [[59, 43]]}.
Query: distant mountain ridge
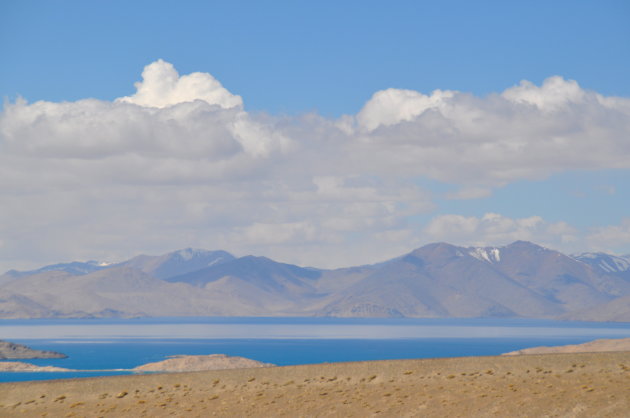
{"points": [[74, 267], [179, 262], [521, 279]]}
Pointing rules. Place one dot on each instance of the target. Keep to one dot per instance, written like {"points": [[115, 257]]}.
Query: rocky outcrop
{"points": [[18, 351]]}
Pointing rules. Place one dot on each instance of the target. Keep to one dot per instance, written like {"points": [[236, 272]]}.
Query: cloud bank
{"points": [[181, 162]]}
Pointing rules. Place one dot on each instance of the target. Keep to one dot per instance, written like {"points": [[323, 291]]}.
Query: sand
{"points": [[567, 385], [617, 344]]}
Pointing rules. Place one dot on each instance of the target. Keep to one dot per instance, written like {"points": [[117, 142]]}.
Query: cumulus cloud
{"points": [[526, 132], [554, 94], [181, 163], [162, 86], [93, 129]]}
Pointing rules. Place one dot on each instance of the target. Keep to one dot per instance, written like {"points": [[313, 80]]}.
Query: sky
{"points": [[318, 133]]}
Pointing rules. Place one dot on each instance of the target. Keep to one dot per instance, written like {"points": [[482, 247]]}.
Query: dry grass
{"points": [[537, 385]]}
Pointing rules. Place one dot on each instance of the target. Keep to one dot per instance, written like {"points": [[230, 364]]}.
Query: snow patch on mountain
{"points": [[217, 260], [606, 262], [489, 254], [188, 253]]}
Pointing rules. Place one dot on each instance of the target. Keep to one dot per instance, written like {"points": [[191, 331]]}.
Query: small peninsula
{"points": [[596, 346], [9, 351]]}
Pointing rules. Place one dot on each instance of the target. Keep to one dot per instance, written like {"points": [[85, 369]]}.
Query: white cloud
{"points": [[162, 86], [554, 94], [258, 139], [611, 238], [180, 163], [495, 229], [92, 129], [527, 132], [392, 106]]}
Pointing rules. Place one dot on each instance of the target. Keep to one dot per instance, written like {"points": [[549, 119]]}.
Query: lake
{"points": [[96, 344]]}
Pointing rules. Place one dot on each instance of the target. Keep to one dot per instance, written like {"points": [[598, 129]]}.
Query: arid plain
{"points": [[563, 385]]}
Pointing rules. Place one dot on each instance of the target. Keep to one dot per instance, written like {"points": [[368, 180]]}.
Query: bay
{"points": [[95, 345]]}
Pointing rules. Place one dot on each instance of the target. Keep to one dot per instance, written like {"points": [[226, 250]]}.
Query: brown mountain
{"points": [[438, 280]]}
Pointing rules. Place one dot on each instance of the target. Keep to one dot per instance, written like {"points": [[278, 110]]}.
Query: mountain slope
{"points": [[256, 281], [607, 264], [438, 280], [74, 267], [615, 310], [119, 291], [179, 262], [557, 277]]}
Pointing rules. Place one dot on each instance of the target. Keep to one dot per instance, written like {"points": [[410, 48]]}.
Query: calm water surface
{"points": [[96, 344]]}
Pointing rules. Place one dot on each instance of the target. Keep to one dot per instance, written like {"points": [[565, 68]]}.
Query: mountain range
{"points": [[521, 279]]}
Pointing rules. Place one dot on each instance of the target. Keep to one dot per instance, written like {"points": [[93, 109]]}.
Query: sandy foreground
{"points": [[566, 385]]}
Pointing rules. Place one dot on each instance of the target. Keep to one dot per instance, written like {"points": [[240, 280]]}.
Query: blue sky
{"points": [[298, 56], [317, 139]]}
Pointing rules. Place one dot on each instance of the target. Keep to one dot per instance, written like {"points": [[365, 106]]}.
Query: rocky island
{"points": [[183, 363], [18, 351]]}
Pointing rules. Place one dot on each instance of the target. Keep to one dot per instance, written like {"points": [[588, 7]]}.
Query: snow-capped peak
{"points": [[606, 262], [489, 254]]}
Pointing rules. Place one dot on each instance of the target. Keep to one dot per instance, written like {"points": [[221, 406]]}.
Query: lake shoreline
{"points": [[108, 347], [187, 363]]}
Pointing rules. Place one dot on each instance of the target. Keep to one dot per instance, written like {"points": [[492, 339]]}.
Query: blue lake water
{"points": [[97, 344]]}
